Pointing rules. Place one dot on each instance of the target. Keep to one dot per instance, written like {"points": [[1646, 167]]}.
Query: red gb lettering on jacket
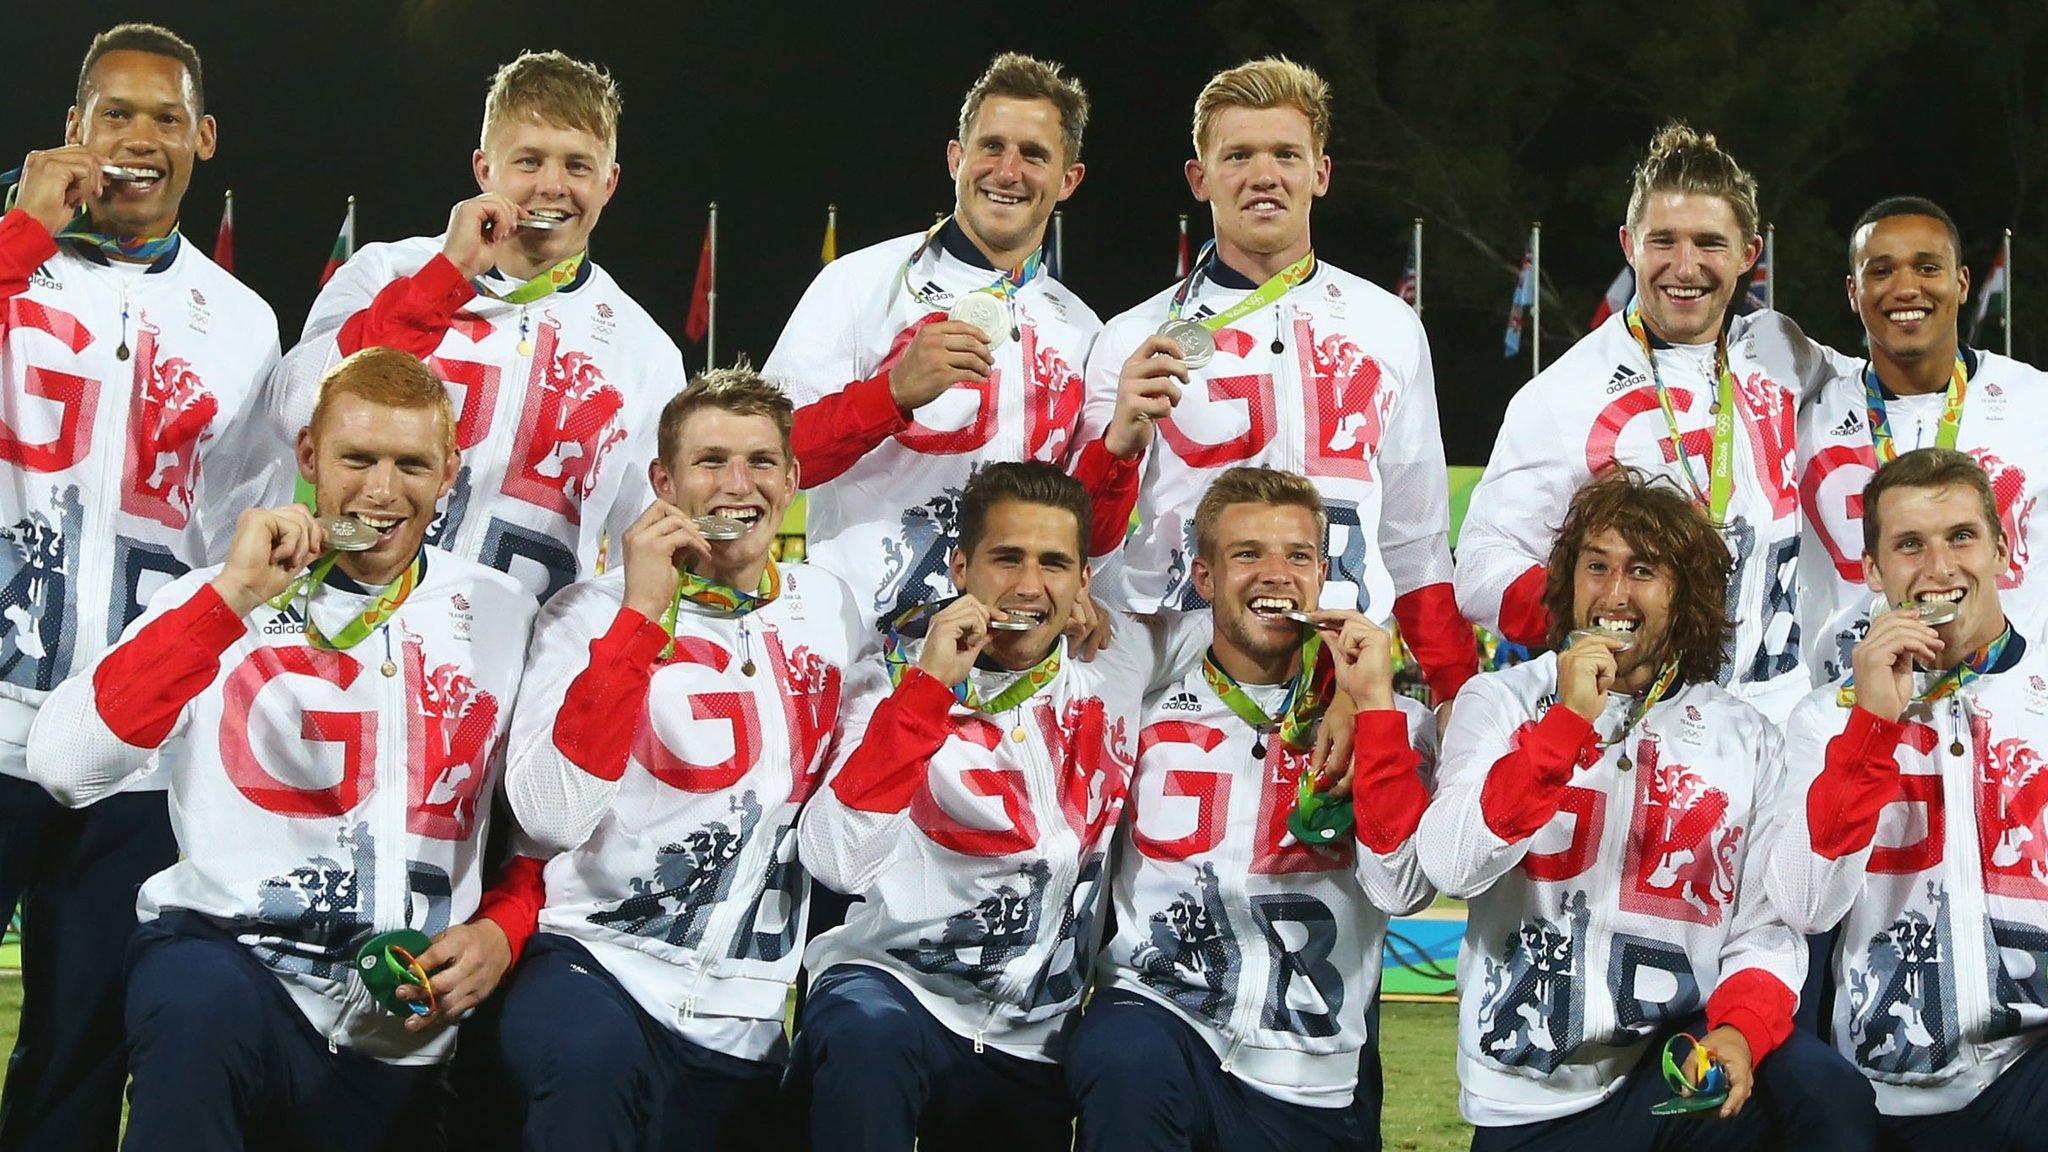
{"points": [[571, 421], [810, 703], [1347, 408], [1831, 496], [1681, 848], [473, 386], [735, 709], [1276, 851], [451, 723], [1917, 818], [947, 790], [241, 730], [170, 411], [1766, 412], [1092, 774], [48, 396], [1209, 789], [2011, 781], [1255, 392], [1581, 811], [1052, 400]]}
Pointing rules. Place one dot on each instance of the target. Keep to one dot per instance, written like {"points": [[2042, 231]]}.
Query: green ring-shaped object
{"points": [[383, 974]]}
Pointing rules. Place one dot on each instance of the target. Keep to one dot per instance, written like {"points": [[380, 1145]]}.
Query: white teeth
{"points": [[1908, 315], [749, 515], [1002, 198], [1265, 604], [1943, 597], [1686, 293], [551, 213], [1613, 625]]}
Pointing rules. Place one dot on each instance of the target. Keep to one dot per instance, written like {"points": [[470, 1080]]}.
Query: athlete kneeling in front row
{"points": [[1944, 918], [674, 718], [1601, 810], [1250, 911], [340, 723]]}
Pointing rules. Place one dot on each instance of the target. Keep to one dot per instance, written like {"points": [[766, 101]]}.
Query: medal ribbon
{"points": [[1307, 695], [1721, 464], [1976, 664], [1004, 286], [1951, 411], [545, 284], [79, 231], [1659, 689], [718, 598], [366, 622], [1275, 287], [896, 658]]}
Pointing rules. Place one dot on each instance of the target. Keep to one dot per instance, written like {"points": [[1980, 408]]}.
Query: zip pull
{"points": [[1279, 345], [690, 1007], [121, 353], [977, 1041]]}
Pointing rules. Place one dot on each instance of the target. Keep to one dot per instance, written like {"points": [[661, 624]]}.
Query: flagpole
{"points": [[711, 298], [1181, 257], [1771, 266], [351, 225], [2008, 291], [1059, 243], [1535, 298], [1417, 242]]}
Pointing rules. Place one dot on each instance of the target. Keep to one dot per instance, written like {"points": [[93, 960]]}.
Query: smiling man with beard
{"points": [[1602, 810], [125, 357], [1677, 386]]}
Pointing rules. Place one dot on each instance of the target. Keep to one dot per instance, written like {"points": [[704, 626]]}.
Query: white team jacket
{"points": [[984, 887], [2004, 415], [1941, 967], [555, 441], [319, 801], [1268, 949], [1624, 912], [887, 525], [1349, 401], [1596, 406], [681, 877], [114, 482]]}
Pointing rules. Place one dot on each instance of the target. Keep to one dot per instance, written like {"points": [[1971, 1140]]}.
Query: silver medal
{"points": [[986, 311], [1012, 625], [127, 175], [348, 534], [1935, 613], [1627, 640], [1299, 617], [1197, 344], [719, 528], [539, 223]]}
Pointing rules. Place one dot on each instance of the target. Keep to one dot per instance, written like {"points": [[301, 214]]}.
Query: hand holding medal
{"points": [[954, 640], [661, 543], [1147, 390], [477, 228], [940, 354], [57, 183], [271, 546]]}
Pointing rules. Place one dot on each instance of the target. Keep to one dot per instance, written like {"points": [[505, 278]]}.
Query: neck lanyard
{"points": [[1951, 410], [1004, 286], [547, 283], [896, 658], [1308, 694], [141, 250], [366, 621], [718, 597], [1721, 464], [1667, 676], [1974, 665], [1275, 287]]}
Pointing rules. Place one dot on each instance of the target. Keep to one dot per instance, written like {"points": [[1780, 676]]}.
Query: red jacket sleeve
{"points": [[1387, 796], [601, 710], [1440, 637], [907, 728], [1756, 1004], [1112, 486], [1523, 788], [1860, 776], [830, 435], [412, 313], [1522, 616], [141, 686], [514, 902], [24, 245]]}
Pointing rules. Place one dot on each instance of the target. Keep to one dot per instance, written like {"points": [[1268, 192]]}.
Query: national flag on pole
{"points": [[224, 240], [1410, 278], [1990, 297], [1624, 286], [344, 244], [1180, 263], [1758, 297], [829, 250], [1525, 295], [699, 321]]}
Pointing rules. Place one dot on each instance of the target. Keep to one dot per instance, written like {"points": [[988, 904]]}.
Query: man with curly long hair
{"points": [[1598, 807]]}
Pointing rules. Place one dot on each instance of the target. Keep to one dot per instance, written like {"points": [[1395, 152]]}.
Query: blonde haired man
{"points": [[1262, 329], [557, 375], [900, 397]]}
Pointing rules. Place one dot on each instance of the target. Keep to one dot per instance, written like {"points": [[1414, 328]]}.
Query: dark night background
{"points": [[1477, 115]]}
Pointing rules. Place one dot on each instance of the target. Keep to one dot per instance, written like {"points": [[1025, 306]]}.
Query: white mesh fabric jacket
{"points": [[319, 800], [1625, 911], [1349, 401]]}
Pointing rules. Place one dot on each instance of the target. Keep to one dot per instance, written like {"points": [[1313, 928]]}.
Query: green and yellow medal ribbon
{"points": [[1308, 694], [1275, 287], [1976, 664], [717, 597], [1721, 464], [896, 658], [367, 621], [546, 284], [1004, 286], [1951, 411], [1660, 688]]}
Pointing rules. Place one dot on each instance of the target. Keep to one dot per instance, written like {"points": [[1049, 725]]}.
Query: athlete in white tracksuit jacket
{"points": [[1231, 1004], [1604, 811], [1914, 821]]}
